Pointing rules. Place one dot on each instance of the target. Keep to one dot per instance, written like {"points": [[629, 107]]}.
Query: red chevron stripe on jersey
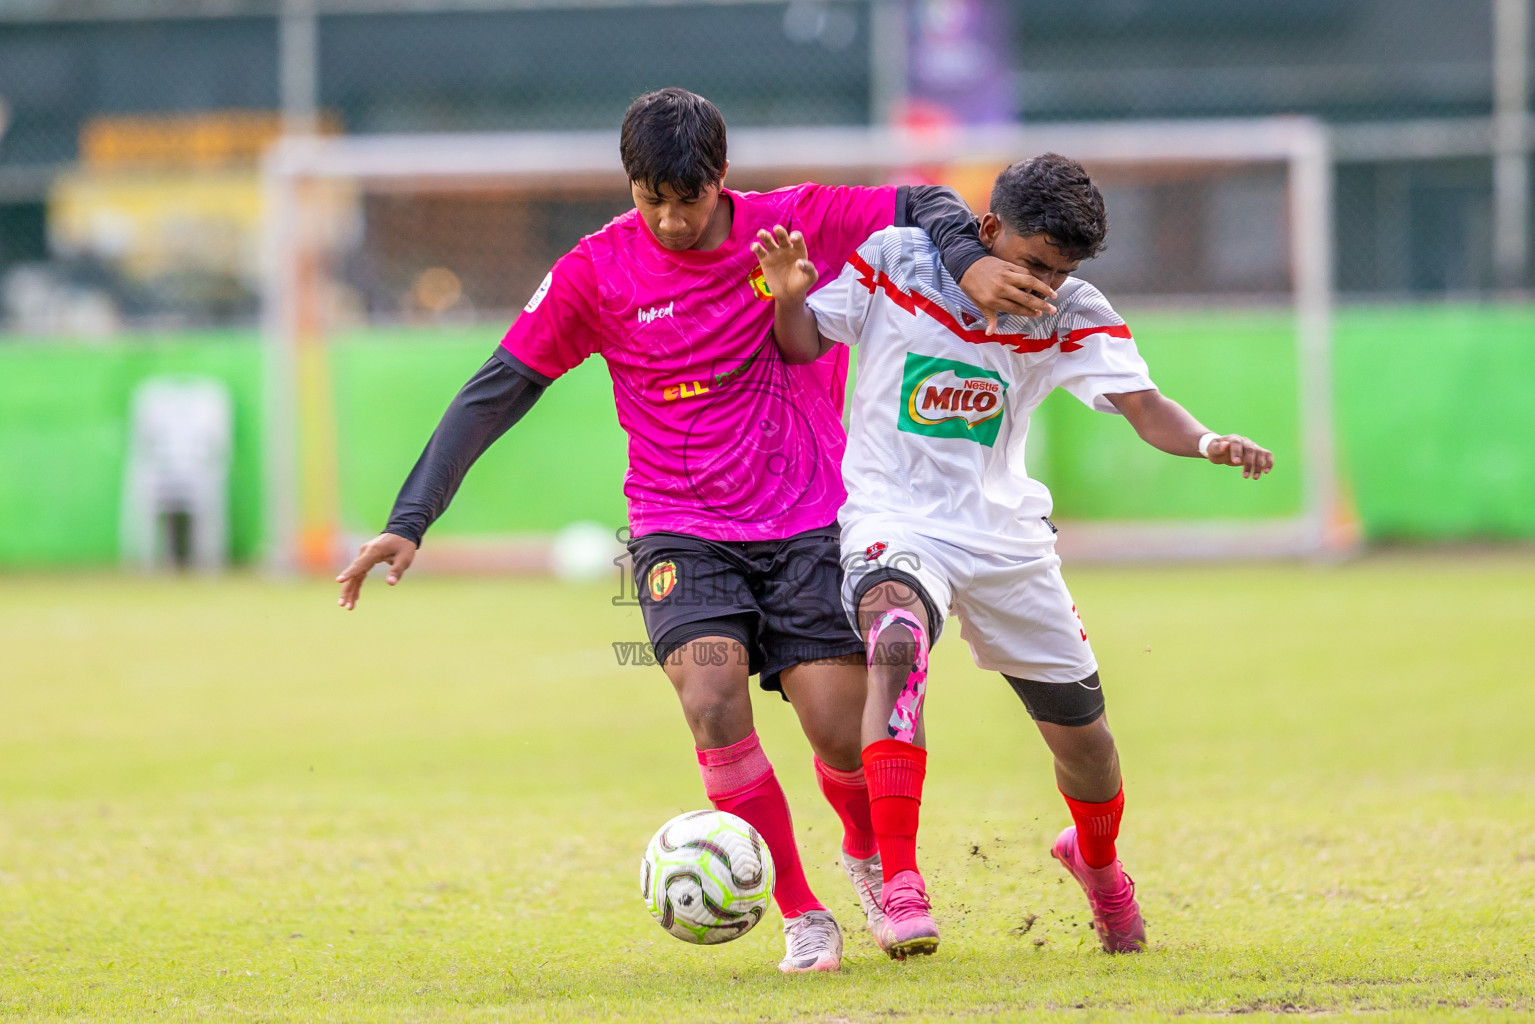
{"points": [[912, 301], [1069, 343]]}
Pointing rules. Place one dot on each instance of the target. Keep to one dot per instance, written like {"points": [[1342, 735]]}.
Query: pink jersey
{"points": [[726, 440]]}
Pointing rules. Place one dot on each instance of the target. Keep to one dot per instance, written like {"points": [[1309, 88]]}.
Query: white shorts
{"points": [[1015, 612]]}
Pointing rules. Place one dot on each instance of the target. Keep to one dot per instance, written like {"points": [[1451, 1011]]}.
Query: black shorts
{"points": [[780, 598]]}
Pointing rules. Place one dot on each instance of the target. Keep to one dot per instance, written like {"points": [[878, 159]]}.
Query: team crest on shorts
{"points": [[873, 551], [661, 579]]}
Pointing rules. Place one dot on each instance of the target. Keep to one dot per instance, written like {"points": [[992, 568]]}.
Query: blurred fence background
{"points": [[131, 208]]}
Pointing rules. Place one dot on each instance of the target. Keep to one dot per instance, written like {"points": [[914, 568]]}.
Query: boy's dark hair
{"points": [[1052, 195], [673, 137]]}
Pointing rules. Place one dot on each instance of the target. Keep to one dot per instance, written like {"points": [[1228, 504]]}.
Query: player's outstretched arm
{"points": [[790, 275], [494, 399], [1164, 424]]}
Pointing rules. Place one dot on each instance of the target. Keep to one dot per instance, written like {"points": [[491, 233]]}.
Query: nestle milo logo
{"points": [[946, 395], [947, 398]]}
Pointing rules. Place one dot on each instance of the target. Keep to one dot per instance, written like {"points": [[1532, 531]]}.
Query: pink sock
{"points": [[848, 794], [739, 779]]}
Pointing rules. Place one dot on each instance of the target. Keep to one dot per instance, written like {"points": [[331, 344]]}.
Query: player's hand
{"points": [[386, 547], [785, 263], [997, 286], [1236, 450]]}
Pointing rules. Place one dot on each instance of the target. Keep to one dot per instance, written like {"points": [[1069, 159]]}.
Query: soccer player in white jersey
{"points": [[941, 514]]}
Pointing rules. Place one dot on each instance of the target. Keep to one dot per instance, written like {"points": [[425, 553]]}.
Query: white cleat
{"points": [[812, 942], [868, 878]]}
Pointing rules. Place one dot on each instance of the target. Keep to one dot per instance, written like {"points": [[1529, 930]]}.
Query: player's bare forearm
{"points": [[1161, 422], [1169, 427], [789, 275], [795, 330]]}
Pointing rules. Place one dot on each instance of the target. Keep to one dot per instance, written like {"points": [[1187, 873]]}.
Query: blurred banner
{"points": [[960, 63]]}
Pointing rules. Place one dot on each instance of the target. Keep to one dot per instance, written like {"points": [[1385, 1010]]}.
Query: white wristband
{"points": [[1204, 443]]}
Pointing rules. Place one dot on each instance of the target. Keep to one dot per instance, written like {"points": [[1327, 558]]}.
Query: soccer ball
{"points": [[707, 877], [584, 551]]}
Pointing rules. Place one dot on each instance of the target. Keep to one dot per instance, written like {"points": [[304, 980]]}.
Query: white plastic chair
{"points": [[179, 442]]}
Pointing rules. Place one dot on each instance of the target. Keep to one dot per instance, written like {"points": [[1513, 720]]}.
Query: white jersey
{"points": [[941, 411]]}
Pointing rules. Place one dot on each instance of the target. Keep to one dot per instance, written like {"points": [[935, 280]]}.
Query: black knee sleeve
{"points": [[885, 574], [1078, 703]]}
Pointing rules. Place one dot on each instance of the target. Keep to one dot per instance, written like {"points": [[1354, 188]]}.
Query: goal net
{"points": [[394, 264]]}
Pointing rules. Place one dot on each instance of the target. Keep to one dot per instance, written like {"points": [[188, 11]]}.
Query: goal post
{"points": [[338, 203]]}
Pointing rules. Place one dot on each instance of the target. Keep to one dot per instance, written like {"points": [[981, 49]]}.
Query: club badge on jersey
{"points": [[760, 285]]}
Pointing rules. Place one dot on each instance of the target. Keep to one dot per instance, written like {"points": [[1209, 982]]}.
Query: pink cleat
{"points": [[1111, 894], [906, 928]]}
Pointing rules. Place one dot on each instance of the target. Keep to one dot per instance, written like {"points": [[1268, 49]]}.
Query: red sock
{"points": [[848, 794], [740, 779], [1097, 828], [895, 771]]}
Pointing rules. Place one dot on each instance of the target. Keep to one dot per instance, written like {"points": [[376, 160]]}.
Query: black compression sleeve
{"points": [[940, 212], [496, 397]]}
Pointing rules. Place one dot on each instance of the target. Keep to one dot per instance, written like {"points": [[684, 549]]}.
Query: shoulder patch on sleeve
{"points": [[538, 296]]}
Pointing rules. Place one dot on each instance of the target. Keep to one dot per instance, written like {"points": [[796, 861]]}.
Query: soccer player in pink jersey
{"points": [[734, 476]]}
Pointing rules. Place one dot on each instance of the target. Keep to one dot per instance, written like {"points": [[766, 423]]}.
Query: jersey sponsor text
{"points": [[948, 398], [645, 316], [946, 395], [685, 389]]}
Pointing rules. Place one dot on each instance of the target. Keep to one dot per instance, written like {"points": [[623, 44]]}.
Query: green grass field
{"points": [[228, 800]]}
